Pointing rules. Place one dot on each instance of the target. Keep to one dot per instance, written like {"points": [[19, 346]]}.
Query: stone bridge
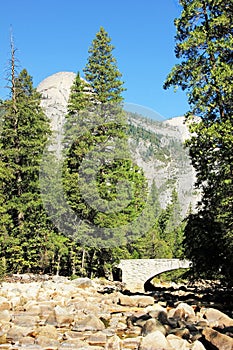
{"points": [[136, 272]]}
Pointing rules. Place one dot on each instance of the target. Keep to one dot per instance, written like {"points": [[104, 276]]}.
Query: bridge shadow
{"points": [[150, 287]]}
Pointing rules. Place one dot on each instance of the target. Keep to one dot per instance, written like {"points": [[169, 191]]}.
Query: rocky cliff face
{"points": [[157, 147]]}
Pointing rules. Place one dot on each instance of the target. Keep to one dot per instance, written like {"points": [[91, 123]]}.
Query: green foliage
{"points": [[204, 44], [165, 238], [154, 150], [105, 189], [177, 276], [24, 223], [101, 71]]}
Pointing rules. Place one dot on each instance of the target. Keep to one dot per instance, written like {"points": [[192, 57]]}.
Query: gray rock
{"points": [[83, 283], [220, 341], [218, 318], [153, 325]]}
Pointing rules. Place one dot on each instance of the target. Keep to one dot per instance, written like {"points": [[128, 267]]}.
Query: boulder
{"points": [[63, 316], [99, 339], [72, 344], [220, 341], [113, 343], [197, 345], [186, 309], [151, 326], [48, 331], [135, 300], [47, 343], [25, 320], [155, 341], [177, 342], [83, 282], [217, 317], [5, 316], [4, 304], [89, 323], [16, 333], [131, 343]]}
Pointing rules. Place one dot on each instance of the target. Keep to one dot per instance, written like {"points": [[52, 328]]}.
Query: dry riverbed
{"points": [[55, 313]]}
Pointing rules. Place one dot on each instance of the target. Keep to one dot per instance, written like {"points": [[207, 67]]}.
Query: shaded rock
{"points": [[51, 319], [133, 332], [153, 325], [226, 330], [181, 333], [155, 341], [155, 309], [220, 341], [202, 324], [218, 317], [179, 314], [186, 308], [137, 320]]}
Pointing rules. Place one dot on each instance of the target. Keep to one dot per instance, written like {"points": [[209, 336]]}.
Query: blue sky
{"points": [[54, 35]]}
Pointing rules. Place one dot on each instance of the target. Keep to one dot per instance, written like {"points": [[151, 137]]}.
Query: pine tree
{"points": [[101, 71], [25, 129], [102, 184], [204, 48]]}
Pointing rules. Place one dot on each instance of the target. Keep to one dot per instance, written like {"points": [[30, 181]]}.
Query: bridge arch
{"points": [[136, 272]]}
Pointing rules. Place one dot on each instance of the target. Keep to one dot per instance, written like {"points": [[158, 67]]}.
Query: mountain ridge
{"points": [[156, 146]]}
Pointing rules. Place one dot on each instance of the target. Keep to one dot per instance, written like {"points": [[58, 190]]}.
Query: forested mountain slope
{"points": [[155, 146]]}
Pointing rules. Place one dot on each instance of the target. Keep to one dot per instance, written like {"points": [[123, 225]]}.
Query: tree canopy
{"points": [[204, 43]]}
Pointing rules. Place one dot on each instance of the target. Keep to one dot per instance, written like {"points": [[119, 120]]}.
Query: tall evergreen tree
{"points": [[204, 43], [24, 133], [102, 184], [101, 71]]}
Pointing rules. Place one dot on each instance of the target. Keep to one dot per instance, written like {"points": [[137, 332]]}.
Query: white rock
{"points": [[155, 341]]}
